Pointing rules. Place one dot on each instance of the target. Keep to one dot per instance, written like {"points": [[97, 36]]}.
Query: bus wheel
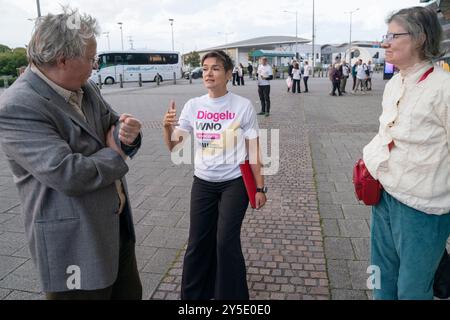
{"points": [[109, 80], [160, 78]]}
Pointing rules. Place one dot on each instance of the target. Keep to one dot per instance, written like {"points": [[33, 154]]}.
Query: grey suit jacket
{"points": [[65, 177]]}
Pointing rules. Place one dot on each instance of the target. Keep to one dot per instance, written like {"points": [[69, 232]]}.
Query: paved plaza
{"points": [[311, 240]]}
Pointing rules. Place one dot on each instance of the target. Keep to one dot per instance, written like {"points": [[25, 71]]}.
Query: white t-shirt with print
{"points": [[219, 127]]}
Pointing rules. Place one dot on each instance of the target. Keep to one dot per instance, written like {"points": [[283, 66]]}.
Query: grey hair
{"points": [[423, 25], [63, 35]]}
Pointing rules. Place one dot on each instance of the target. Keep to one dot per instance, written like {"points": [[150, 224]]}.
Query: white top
{"points": [[214, 121], [264, 71], [361, 72], [416, 117], [345, 70], [307, 70], [240, 72], [296, 74]]}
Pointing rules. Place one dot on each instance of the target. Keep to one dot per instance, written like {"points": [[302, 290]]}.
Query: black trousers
{"points": [[296, 86], [241, 80], [264, 97], [126, 287], [336, 85], [235, 75], [305, 81], [214, 266]]}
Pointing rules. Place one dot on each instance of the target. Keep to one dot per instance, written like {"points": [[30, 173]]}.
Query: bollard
{"points": [[158, 79], [174, 78], [121, 80], [190, 78], [99, 81], [140, 80], [5, 82], [282, 75]]}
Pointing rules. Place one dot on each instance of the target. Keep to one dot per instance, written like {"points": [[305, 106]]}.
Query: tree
{"points": [[4, 48], [192, 59], [10, 60]]}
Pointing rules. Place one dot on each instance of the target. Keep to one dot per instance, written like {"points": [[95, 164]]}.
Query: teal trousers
{"points": [[407, 246]]}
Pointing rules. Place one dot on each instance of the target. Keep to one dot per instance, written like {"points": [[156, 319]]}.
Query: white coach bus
{"points": [[130, 64]]}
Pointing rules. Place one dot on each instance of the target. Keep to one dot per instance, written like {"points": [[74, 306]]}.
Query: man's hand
{"points": [[129, 129], [111, 143], [260, 200]]}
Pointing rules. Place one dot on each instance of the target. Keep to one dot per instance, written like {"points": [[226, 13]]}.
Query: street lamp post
{"points": [[107, 36], [38, 8], [296, 30], [121, 32], [350, 42], [226, 34], [171, 24], [313, 40]]}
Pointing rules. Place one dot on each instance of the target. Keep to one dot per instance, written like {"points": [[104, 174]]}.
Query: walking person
{"points": [[297, 78], [214, 266], [67, 149], [410, 157], [307, 73], [265, 74]]}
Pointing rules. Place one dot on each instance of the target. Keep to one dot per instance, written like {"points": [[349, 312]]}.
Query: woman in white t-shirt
{"points": [[296, 77], [224, 127]]}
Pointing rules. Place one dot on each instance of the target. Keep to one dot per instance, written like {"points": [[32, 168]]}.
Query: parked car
{"points": [[195, 73]]}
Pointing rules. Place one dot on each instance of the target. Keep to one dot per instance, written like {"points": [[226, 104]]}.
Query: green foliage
{"points": [[192, 59], [4, 48], [10, 60], [10, 81]]}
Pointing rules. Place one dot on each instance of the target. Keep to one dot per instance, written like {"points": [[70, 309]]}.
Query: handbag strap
{"points": [[426, 74]]}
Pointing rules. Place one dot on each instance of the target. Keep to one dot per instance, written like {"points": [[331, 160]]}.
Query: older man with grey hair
{"points": [[67, 150]]}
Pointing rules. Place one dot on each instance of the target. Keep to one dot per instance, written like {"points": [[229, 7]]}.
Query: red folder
{"points": [[249, 181]]}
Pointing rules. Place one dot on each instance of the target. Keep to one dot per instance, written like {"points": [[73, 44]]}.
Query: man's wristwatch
{"points": [[263, 189]]}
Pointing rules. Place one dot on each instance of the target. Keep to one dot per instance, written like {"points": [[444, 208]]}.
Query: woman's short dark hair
{"points": [[222, 56], [419, 22]]}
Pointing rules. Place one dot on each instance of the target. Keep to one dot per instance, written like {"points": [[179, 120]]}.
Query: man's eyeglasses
{"points": [[94, 60], [388, 37]]}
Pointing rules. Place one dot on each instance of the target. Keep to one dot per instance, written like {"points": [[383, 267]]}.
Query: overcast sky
{"points": [[198, 22]]}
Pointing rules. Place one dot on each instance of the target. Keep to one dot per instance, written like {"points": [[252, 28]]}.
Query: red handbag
{"points": [[367, 189]]}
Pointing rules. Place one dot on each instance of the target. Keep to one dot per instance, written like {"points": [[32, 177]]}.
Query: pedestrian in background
{"points": [[345, 75], [360, 77], [265, 74], [250, 70], [307, 73], [235, 75], [355, 65], [296, 77], [336, 76], [410, 157], [241, 74]]}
